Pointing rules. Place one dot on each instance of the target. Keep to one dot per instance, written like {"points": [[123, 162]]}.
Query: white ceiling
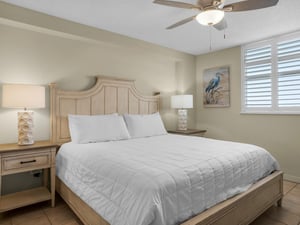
{"points": [[146, 21]]}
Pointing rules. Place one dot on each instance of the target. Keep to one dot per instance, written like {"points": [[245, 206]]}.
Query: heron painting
{"points": [[216, 87]]}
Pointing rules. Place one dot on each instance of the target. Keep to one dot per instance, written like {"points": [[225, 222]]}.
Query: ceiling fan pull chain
{"points": [[210, 48], [225, 33]]}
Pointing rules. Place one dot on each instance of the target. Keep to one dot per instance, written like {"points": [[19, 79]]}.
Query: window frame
{"points": [[274, 109]]}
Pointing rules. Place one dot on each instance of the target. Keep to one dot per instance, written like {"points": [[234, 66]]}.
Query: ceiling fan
{"points": [[212, 11]]}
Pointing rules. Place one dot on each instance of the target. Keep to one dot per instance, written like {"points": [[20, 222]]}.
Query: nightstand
{"points": [[17, 159], [192, 132]]}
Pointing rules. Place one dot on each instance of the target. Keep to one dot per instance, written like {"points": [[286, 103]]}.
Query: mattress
{"points": [[161, 180]]}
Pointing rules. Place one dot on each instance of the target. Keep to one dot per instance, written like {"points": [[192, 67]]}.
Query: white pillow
{"points": [[97, 128], [144, 125]]}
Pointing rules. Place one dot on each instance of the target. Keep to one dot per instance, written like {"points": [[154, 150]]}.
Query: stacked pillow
{"points": [[98, 128]]}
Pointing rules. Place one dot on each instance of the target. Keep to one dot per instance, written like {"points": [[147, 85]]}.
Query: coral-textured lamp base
{"points": [[182, 119], [25, 127]]}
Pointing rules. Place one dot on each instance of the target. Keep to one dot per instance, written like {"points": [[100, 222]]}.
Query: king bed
{"points": [[152, 179]]}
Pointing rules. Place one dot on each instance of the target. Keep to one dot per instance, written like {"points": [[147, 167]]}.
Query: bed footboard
{"points": [[245, 207], [239, 210], [85, 213]]}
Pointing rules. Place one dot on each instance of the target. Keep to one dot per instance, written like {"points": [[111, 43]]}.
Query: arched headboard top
{"points": [[107, 96]]}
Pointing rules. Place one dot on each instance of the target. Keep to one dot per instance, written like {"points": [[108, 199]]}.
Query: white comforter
{"points": [[160, 180]]}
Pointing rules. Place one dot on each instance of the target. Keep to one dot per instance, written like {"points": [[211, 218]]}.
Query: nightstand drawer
{"points": [[13, 164]]}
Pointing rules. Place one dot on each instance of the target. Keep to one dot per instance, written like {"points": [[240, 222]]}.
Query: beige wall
{"points": [[40, 49], [279, 134]]}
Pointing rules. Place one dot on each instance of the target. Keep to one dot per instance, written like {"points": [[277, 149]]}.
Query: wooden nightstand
{"points": [[16, 159], [192, 132]]}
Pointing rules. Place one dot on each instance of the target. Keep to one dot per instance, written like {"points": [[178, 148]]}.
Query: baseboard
{"points": [[291, 178]]}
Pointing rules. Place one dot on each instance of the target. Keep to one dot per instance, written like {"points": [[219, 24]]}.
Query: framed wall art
{"points": [[216, 88]]}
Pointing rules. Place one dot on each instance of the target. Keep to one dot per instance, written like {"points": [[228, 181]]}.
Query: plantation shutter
{"points": [[271, 76], [258, 77], [288, 73]]}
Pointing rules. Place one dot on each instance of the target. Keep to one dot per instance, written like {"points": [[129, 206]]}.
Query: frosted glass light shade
{"points": [[23, 96], [182, 101], [210, 17]]}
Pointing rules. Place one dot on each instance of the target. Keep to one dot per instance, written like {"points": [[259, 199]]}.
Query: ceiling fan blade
{"points": [[181, 22], [177, 4], [250, 5], [221, 25], [205, 3], [209, 3]]}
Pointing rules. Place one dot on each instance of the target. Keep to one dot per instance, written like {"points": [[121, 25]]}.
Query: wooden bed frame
{"points": [[120, 96]]}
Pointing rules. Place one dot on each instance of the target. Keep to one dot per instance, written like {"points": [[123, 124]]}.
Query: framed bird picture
{"points": [[216, 88]]}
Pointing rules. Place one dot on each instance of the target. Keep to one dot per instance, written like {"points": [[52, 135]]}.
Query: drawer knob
{"points": [[30, 161]]}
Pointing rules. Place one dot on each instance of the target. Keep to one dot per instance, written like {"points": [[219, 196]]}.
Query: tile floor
{"points": [[43, 214]]}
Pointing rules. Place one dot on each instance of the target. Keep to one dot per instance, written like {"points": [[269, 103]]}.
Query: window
{"points": [[271, 76]]}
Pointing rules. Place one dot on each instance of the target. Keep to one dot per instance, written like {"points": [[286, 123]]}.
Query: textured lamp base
{"points": [[182, 119], [25, 127]]}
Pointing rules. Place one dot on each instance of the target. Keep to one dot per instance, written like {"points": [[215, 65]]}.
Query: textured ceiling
{"points": [[141, 19]]}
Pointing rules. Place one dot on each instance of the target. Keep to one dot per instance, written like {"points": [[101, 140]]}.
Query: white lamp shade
{"points": [[182, 101], [210, 17], [23, 96]]}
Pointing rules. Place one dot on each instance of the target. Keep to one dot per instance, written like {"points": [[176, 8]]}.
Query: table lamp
{"points": [[25, 97], [182, 102]]}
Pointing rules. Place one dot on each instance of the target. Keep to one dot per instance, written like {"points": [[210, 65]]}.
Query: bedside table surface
{"points": [[16, 147], [188, 131]]}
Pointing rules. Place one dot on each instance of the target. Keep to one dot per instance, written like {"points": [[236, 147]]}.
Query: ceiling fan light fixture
{"points": [[210, 17]]}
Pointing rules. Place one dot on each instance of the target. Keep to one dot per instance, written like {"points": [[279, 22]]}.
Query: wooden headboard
{"points": [[106, 96]]}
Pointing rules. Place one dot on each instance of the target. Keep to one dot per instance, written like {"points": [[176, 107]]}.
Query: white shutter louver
{"points": [[288, 73], [257, 71]]}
